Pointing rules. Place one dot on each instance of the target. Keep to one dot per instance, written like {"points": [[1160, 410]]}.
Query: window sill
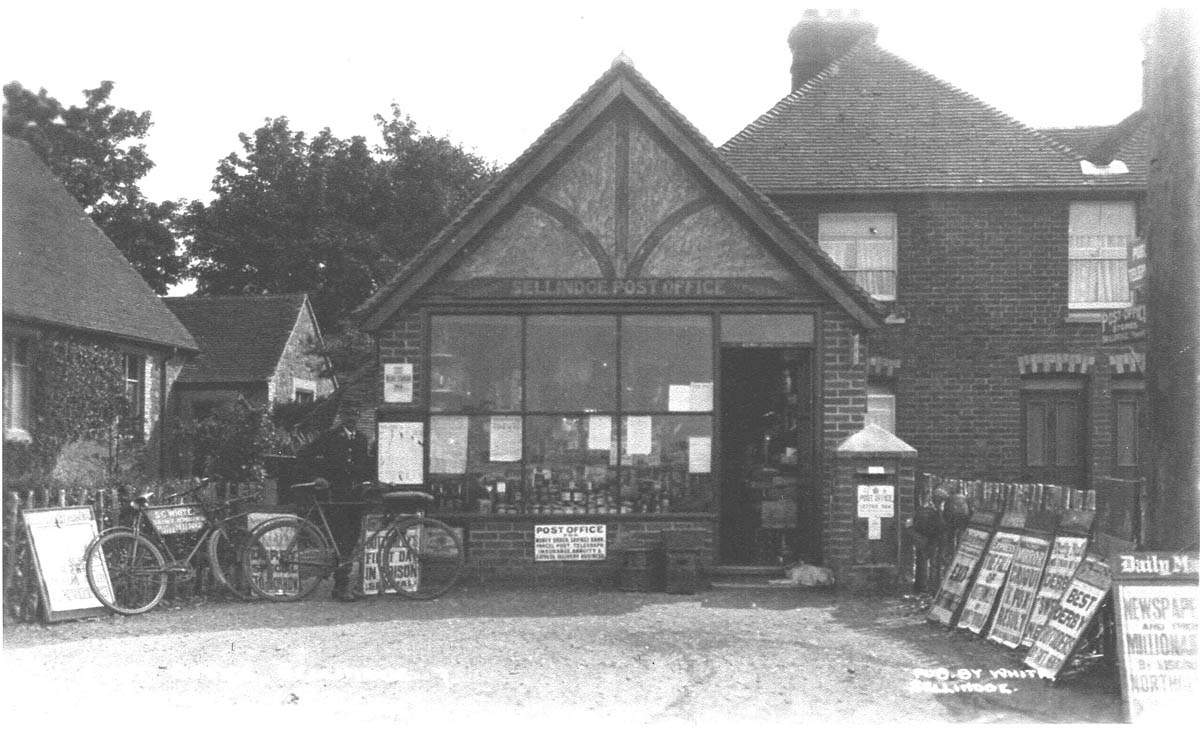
{"points": [[17, 435], [1087, 317], [895, 319]]}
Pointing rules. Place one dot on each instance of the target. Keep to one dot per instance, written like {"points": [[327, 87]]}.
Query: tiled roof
{"points": [[1127, 141], [241, 338], [873, 121], [61, 270], [622, 69]]}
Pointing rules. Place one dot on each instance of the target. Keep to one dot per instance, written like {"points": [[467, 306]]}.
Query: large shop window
{"points": [[17, 389], [863, 245], [571, 414], [1101, 233]]}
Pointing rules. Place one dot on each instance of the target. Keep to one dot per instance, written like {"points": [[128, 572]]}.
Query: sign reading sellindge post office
{"points": [[570, 542]]}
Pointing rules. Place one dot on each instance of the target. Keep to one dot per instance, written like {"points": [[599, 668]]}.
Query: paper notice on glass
{"points": [[874, 528], [448, 444], [679, 398], [699, 454], [398, 382], [505, 441], [599, 433], [637, 435], [702, 396], [401, 453]]}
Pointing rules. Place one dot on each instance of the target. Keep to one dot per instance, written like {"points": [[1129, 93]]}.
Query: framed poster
{"points": [[1020, 590], [1065, 555], [1062, 632], [1156, 596], [59, 538], [949, 598], [977, 607]]}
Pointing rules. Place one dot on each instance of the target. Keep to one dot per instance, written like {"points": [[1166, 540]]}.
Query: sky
{"points": [[493, 75]]}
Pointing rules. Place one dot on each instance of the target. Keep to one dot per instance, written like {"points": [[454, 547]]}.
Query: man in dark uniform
{"points": [[342, 456]]}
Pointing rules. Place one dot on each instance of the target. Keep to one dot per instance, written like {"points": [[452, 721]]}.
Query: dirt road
{"points": [[723, 658]]}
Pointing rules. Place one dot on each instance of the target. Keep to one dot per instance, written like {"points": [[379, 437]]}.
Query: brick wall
{"points": [[844, 380], [982, 280], [500, 550]]}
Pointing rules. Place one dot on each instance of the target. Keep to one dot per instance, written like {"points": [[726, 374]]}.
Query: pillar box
{"points": [[871, 502]]}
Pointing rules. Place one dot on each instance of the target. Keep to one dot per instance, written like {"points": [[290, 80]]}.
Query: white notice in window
{"points": [[637, 435], [401, 453], [505, 440], [679, 398], [702, 396], [448, 444], [398, 382], [599, 432], [699, 454]]}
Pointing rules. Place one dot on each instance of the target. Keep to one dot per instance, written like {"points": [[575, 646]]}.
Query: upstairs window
{"points": [[864, 246], [135, 396], [17, 389], [1101, 233], [881, 407]]}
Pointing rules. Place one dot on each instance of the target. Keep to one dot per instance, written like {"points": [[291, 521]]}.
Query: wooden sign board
{"points": [[977, 607], [1020, 590], [59, 537], [1157, 596], [949, 599], [1066, 553], [1062, 632]]}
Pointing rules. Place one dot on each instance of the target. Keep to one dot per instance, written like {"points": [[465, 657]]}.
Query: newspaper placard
{"points": [[277, 543], [988, 582], [1066, 626], [570, 542], [1065, 556], [949, 598], [59, 538], [1020, 591], [1157, 634]]}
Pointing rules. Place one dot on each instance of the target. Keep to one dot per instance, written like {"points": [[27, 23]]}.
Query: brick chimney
{"points": [[819, 38]]}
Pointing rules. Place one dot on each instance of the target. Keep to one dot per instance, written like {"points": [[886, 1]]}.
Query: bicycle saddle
{"points": [[406, 495]]}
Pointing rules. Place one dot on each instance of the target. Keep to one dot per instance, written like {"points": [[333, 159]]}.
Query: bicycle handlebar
{"points": [[204, 481]]}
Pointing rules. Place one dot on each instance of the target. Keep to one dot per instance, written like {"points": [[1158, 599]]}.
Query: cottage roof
{"points": [[871, 121], [241, 338], [620, 84], [61, 270], [1127, 141]]}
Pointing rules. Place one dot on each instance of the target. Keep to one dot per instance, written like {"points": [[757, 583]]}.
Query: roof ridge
{"points": [[232, 296], [830, 69]]}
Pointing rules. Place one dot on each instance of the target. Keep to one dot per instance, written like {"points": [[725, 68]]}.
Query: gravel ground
{"points": [[594, 659]]}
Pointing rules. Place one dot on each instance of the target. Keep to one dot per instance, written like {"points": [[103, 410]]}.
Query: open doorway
{"points": [[769, 509]]}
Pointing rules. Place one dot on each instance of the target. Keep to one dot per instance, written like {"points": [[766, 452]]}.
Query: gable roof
{"points": [[621, 83], [241, 338], [871, 121], [61, 270]]}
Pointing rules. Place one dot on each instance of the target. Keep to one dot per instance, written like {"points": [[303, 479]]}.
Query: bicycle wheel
{"points": [[126, 571], [421, 558], [225, 546], [287, 558]]}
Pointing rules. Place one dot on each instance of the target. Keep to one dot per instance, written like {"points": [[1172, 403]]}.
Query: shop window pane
{"points": [[1066, 434], [666, 464], [571, 363], [570, 467], [666, 363], [474, 461], [475, 365]]}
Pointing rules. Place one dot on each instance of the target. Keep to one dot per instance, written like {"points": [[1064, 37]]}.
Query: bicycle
{"points": [[128, 567], [418, 557]]}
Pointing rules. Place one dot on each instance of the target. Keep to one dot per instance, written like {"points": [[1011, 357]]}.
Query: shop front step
{"points": [[743, 577]]}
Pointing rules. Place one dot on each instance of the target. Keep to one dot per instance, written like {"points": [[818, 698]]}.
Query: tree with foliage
{"points": [[90, 150], [327, 216]]}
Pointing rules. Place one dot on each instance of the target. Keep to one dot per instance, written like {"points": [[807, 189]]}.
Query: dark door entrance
{"points": [[768, 506]]}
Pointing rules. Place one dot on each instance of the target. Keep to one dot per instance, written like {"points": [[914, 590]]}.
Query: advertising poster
{"points": [[699, 454], [988, 582], [276, 542], [638, 435], [1156, 598], [1020, 590], [59, 538], [1065, 555], [1070, 619], [401, 453], [570, 542], [372, 538], [966, 559], [504, 440], [398, 382], [599, 433]]}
